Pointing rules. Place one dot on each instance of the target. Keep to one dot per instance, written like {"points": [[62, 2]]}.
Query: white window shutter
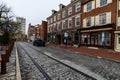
{"points": [[85, 8], [108, 17], [119, 5], [93, 4], [92, 21], [109, 1], [97, 20], [97, 3], [84, 22], [118, 21]]}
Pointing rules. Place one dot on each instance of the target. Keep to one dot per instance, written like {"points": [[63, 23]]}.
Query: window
{"points": [[89, 6], [58, 18], [58, 26], [77, 7], [104, 38], [70, 11], [63, 14], [70, 23], [55, 28], [119, 40], [54, 18], [63, 25], [88, 22], [103, 2], [77, 21], [102, 19], [51, 20]]}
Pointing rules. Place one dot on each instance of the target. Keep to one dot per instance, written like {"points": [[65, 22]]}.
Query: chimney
{"points": [[54, 11], [72, 1]]}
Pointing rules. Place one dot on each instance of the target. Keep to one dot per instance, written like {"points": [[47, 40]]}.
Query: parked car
{"points": [[39, 42]]}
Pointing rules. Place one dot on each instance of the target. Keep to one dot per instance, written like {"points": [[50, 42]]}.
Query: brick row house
{"points": [[91, 23], [38, 31], [66, 20]]}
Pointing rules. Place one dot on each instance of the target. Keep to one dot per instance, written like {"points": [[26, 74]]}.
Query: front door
{"points": [[118, 42], [94, 39]]}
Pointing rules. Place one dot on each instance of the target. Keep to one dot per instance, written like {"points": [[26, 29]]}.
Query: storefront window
{"points": [[104, 38], [85, 39]]}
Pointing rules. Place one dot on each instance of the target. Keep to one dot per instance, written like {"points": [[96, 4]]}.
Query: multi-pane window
{"points": [[70, 23], [51, 20], [89, 6], [63, 14], [103, 2], [88, 21], [58, 26], [77, 7], [58, 17], [102, 19], [54, 18], [77, 21], [70, 11], [55, 28], [63, 25]]}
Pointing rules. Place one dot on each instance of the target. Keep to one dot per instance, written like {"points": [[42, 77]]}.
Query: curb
{"points": [[18, 73], [77, 67]]}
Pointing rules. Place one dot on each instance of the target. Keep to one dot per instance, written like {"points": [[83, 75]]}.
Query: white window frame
{"points": [[58, 16], [77, 7], [103, 19], [63, 14], [69, 23], [54, 18], [89, 6], [87, 19], [63, 23], [76, 21], [70, 11]]}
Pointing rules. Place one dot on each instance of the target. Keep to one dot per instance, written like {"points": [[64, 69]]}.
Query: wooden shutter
{"points": [[85, 8], [93, 4], [108, 17], [97, 20], [92, 21], [97, 3], [118, 21], [84, 22]]}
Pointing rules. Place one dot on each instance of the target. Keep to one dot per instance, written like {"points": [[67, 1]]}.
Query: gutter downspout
{"points": [[115, 43]]}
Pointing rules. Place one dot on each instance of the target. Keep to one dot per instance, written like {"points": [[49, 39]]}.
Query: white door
{"points": [[118, 42]]}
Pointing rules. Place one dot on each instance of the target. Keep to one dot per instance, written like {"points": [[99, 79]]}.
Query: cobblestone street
{"points": [[54, 69], [106, 68]]}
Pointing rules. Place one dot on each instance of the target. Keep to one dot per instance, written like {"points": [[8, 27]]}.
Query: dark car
{"points": [[39, 42]]}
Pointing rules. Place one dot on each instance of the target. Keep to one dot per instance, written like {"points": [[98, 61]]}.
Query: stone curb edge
{"points": [[77, 67], [18, 73]]}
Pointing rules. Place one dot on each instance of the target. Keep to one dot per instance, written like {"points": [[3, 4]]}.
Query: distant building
{"points": [[22, 26], [22, 22], [37, 32], [31, 32]]}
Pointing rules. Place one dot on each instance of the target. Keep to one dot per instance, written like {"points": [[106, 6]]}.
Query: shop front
{"points": [[97, 37], [117, 39]]}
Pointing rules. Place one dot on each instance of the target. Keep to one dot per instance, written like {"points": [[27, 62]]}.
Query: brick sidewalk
{"points": [[101, 53]]}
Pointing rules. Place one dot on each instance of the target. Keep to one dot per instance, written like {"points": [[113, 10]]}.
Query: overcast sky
{"points": [[34, 10]]}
